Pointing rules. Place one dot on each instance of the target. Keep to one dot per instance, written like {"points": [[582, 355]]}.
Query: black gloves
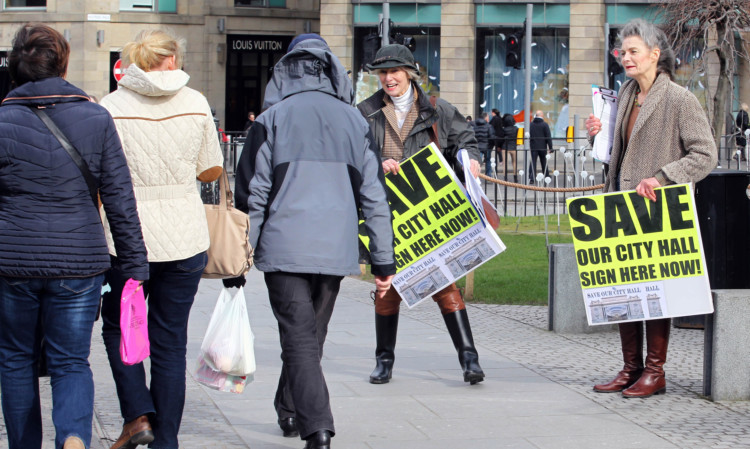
{"points": [[237, 282]]}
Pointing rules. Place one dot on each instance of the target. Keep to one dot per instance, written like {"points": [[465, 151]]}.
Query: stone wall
{"points": [[457, 65]]}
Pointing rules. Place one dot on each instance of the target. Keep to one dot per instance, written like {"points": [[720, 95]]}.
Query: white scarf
{"points": [[402, 105]]}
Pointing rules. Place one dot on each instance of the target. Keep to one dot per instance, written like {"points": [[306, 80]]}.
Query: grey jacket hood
{"points": [[292, 74]]}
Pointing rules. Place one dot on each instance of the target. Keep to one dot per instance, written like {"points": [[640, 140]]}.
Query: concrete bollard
{"points": [[726, 358], [567, 313]]}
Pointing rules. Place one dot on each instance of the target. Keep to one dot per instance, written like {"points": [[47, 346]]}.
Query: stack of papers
{"points": [[605, 109]]}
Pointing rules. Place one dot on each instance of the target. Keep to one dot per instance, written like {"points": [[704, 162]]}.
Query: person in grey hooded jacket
{"points": [[307, 168]]}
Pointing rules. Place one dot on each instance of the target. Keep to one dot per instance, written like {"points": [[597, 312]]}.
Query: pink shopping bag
{"points": [[134, 345]]}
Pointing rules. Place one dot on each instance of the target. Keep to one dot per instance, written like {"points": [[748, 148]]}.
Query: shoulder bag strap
{"points": [[74, 154]]}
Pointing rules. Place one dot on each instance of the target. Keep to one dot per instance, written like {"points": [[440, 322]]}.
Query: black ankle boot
{"points": [[386, 328], [460, 331], [289, 426], [319, 440]]}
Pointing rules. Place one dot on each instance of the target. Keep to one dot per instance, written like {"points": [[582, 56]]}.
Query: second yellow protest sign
{"points": [[639, 259]]}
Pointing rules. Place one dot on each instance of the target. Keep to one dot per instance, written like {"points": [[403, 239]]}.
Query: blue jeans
{"points": [[63, 310], [170, 292]]}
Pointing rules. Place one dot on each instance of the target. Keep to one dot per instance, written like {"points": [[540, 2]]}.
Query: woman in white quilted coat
{"points": [[169, 139]]}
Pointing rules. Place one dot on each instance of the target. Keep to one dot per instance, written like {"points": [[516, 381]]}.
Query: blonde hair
{"points": [[744, 107], [150, 47], [410, 73]]}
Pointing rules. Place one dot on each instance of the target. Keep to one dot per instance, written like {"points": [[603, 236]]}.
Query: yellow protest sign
{"points": [[635, 256], [428, 207], [438, 234]]}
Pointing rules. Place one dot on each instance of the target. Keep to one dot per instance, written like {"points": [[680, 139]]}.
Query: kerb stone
{"points": [[726, 364], [567, 313]]}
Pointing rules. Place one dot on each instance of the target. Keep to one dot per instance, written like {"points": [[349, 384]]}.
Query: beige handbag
{"points": [[230, 254]]}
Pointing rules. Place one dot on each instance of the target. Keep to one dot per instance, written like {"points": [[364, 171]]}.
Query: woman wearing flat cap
{"points": [[402, 122]]}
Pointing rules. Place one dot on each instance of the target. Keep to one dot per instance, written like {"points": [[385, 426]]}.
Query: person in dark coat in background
{"points": [[249, 122], [303, 201], [510, 132], [497, 126], [53, 252], [541, 141], [485, 136], [743, 124]]}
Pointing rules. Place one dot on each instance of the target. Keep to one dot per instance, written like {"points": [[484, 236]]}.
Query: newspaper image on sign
{"points": [[439, 235], [638, 259]]}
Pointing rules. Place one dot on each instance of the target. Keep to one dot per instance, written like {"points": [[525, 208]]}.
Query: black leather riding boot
{"points": [[386, 328], [460, 331]]}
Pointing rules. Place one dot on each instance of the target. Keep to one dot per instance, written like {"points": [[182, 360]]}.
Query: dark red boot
{"points": [[652, 380], [631, 338]]}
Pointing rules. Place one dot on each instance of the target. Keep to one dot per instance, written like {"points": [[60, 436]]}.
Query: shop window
{"points": [[502, 87], [426, 54], [25, 3], [149, 5], [261, 3], [136, 5], [5, 82]]}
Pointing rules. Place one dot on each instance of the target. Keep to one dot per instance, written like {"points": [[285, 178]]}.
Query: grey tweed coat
{"points": [[671, 135]]}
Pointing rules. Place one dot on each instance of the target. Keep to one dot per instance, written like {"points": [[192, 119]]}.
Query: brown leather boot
{"points": [[631, 338], [449, 299], [652, 380], [137, 431]]}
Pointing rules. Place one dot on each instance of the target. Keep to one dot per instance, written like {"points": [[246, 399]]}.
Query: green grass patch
{"points": [[519, 275]]}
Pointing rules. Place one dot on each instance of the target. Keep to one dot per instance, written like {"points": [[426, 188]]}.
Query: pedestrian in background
{"points": [[485, 136], [510, 131], [53, 253], [743, 124], [675, 145], [169, 138], [497, 127], [249, 122], [540, 143], [394, 113], [303, 195]]}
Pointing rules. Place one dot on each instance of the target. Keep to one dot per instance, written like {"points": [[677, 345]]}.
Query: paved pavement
{"points": [[537, 393]]}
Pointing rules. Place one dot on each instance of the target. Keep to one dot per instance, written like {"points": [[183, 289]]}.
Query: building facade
{"points": [[231, 44], [461, 48]]}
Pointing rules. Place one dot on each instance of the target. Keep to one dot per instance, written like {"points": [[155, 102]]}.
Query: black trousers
{"points": [[303, 305], [542, 156]]}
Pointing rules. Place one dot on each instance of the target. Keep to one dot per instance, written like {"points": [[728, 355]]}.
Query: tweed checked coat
{"points": [[671, 135]]}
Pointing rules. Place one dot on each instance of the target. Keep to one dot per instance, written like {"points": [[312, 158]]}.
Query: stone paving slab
{"points": [[537, 393]]}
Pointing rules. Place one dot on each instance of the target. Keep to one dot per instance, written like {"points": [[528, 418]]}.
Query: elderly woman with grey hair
{"points": [[662, 137]]}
